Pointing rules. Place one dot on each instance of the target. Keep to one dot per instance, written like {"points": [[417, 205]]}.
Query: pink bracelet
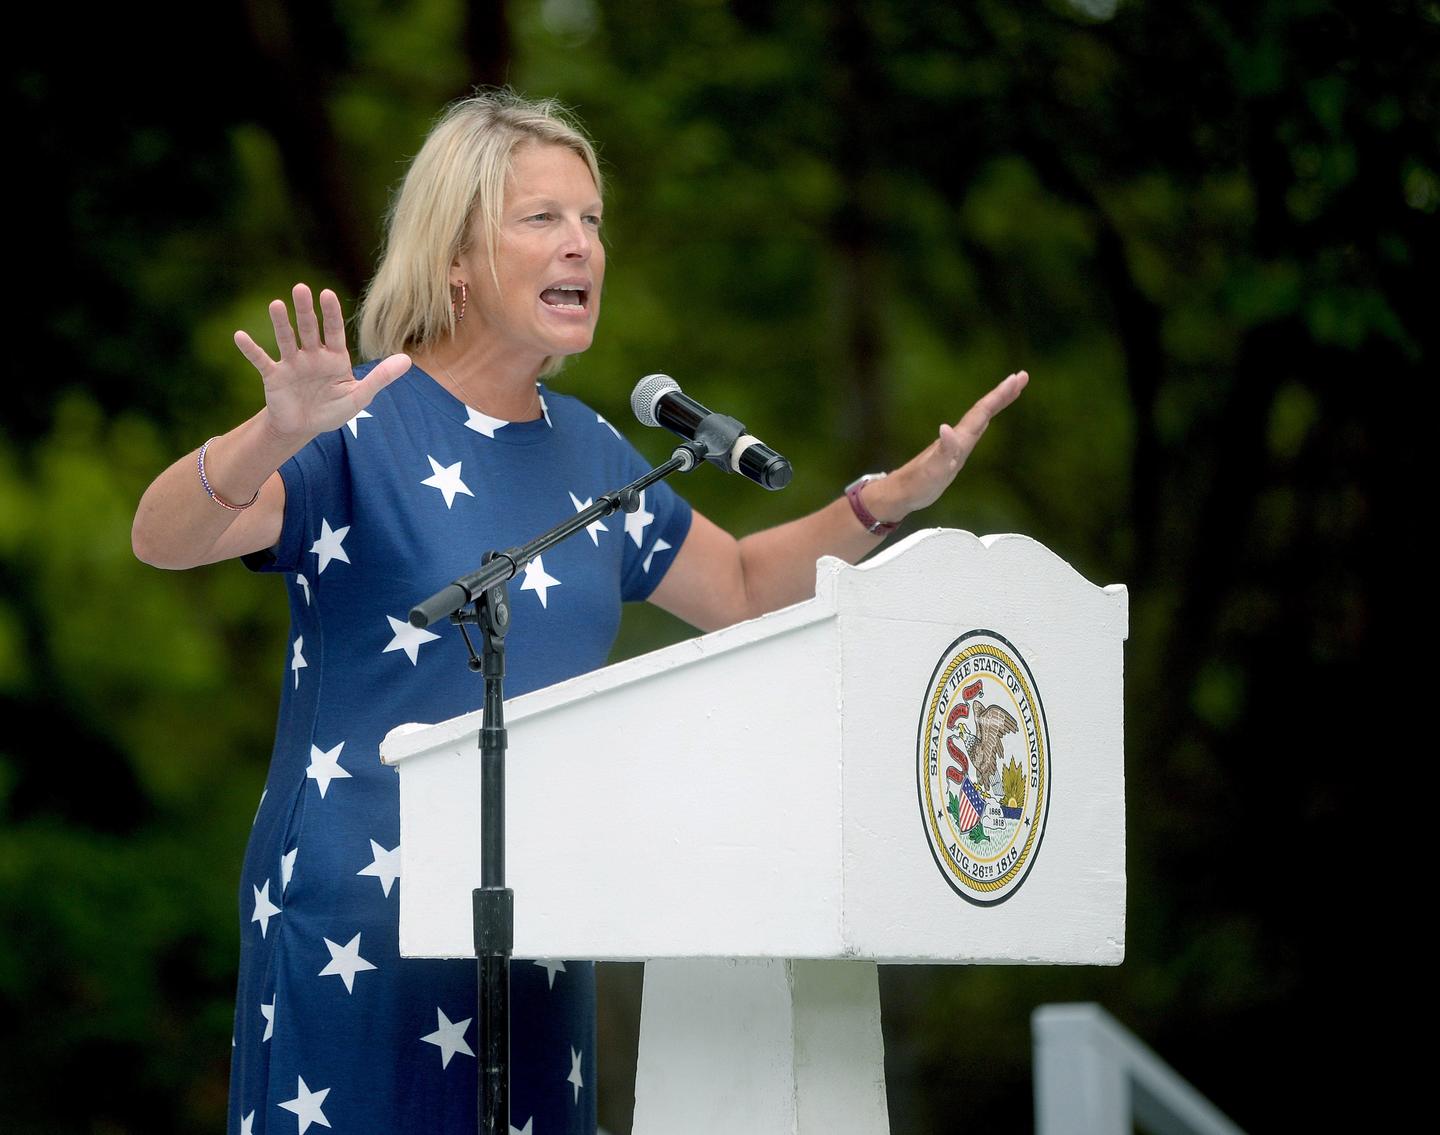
{"points": [[863, 514], [211, 493]]}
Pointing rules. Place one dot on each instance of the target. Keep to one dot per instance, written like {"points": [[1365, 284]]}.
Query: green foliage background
{"points": [[1200, 226]]}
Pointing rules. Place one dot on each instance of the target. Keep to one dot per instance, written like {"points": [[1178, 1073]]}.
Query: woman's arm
{"points": [[309, 390], [177, 525], [717, 580]]}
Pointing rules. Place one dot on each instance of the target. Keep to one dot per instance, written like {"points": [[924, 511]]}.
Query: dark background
{"points": [[1201, 227]]}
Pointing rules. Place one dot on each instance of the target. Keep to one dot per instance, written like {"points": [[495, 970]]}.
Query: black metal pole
{"points": [[493, 903]]}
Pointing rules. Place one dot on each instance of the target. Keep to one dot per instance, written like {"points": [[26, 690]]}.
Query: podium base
{"points": [[763, 1046]]}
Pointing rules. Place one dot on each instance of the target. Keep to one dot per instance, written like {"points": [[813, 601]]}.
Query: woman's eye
{"points": [[592, 220]]}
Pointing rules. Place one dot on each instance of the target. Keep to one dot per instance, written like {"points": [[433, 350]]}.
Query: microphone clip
{"points": [[716, 435]]}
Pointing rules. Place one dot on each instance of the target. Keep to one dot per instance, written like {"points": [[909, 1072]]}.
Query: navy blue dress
{"points": [[332, 1029]]}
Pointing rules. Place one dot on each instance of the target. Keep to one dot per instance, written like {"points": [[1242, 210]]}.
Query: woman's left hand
{"points": [[921, 480], [717, 580]]}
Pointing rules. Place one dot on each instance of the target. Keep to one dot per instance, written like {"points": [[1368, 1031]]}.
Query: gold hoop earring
{"points": [[464, 299]]}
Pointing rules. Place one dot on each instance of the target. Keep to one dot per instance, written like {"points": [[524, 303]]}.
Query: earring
{"points": [[464, 299]]}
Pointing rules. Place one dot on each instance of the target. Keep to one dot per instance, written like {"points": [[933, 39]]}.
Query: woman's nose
{"points": [[579, 242]]}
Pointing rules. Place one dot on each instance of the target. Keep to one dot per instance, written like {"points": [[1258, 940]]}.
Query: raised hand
{"points": [[310, 389], [921, 480]]}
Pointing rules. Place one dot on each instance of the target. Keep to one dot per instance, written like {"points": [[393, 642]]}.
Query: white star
{"points": [[328, 546], [551, 967], [408, 638], [446, 478], [483, 423], [354, 423], [287, 867], [268, 1012], [345, 962], [304, 586], [247, 1124], [306, 1105], [298, 663], [260, 805], [660, 546], [574, 1076], [595, 527], [385, 866], [601, 419], [522, 1130], [265, 910], [325, 767], [449, 1038], [538, 580], [544, 409], [636, 522]]}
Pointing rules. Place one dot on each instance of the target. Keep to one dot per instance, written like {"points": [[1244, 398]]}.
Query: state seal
{"points": [[983, 767]]}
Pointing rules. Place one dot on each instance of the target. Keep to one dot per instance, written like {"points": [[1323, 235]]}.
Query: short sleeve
{"points": [[312, 484]]}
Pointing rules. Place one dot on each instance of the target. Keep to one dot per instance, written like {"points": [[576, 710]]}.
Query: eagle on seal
{"points": [[986, 746]]}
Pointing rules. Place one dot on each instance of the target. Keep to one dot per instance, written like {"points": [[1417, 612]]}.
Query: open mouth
{"points": [[573, 297]]}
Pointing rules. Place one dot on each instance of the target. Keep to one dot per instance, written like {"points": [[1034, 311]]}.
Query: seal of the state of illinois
{"points": [[983, 767]]}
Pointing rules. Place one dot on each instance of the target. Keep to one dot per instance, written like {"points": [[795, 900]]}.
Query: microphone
{"points": [[657, 400]]}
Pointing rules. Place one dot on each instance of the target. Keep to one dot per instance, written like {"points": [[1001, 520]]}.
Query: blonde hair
{"points": [[458, 175]]}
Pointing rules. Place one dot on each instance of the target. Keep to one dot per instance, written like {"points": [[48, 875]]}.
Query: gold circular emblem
{"points": [[983, 767]]}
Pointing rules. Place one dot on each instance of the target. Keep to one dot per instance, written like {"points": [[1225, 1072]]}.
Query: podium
{"points": [[923, 763]]}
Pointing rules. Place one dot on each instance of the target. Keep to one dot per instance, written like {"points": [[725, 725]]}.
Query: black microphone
{"points": [[658, 401]]}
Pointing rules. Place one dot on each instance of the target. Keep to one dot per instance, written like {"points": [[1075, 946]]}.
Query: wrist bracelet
{"points": [[863, 514], [211, 493]]}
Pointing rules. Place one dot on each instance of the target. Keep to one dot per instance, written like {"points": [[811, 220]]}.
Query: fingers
{"points": [[335, 322], [384, 373], [968, 429], [308, 325], [305, 321], [1007, 391], [284, 334], [255, 353], [935, 467], [957, 442], [381, 375], [1004, 393]]}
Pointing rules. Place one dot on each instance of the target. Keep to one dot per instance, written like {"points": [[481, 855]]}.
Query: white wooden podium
{"points": [[924, 763]]}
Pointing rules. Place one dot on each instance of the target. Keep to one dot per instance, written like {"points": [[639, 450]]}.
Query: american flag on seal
{"points": [[967, 805]]}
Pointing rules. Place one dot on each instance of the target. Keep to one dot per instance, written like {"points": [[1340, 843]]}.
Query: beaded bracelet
{"points": [[211, 493]]}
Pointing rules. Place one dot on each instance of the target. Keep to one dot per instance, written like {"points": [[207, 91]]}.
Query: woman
{"points": [[368, 489]]}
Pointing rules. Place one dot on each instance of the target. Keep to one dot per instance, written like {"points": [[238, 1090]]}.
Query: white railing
{"points": [[1094, 1077]]}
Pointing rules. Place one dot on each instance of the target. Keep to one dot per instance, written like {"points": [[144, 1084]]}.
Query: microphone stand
{"points": [[493, 903]]}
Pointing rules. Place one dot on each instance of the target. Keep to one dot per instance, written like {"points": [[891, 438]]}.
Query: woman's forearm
{"points": [[178, 525]]}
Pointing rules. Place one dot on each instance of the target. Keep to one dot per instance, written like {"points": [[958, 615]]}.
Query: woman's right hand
{"points": [[311, 388], [310, 391]]}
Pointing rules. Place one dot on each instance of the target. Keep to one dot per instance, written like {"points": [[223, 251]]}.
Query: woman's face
{"points": [[548, 259]]}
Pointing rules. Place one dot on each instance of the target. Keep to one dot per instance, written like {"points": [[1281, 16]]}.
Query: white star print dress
{"points": [[332, 1029]]}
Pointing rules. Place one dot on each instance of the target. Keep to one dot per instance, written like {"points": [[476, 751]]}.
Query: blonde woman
{"points": [[365, 488]]}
